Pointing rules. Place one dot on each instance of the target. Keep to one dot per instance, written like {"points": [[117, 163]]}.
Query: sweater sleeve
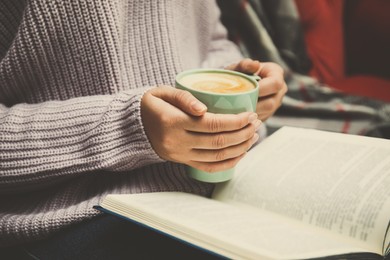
{"points": [[221, 52], [51, 141]]}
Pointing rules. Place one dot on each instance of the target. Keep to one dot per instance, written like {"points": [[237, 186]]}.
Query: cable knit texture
{"points": [[72, 75]]}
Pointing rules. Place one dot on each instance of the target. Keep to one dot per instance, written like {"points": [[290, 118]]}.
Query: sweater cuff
{"points": [[149, 151]]}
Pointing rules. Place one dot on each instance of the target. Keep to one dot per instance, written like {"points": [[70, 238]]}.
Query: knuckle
{"points": [[250, 132], [278, 83], [269, 105], [246, 66], [219, 141], [220, 155], [210, 168], [181, 95], [277, 67], [167, 120], [281, 70], [214, 124], [167, 143], [243, 65], [243, 121], [285, 88]]}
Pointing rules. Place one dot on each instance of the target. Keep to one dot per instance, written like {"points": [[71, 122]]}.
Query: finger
{"points": [[272, 79], [269, 69], [266, 106], [216, 166], [181, 99], [225, 139], [273, 101], [215, 123], [247, 66], [230, 152], [270, 86]]}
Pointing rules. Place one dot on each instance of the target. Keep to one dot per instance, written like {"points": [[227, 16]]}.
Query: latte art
{"points": [[217, 82]]}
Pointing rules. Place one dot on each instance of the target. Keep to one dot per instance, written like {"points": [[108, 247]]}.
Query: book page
{"points": [[336, 182], [234, 232]]}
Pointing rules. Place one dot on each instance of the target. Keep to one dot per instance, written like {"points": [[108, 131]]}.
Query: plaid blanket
{"points": [[270, 31]]}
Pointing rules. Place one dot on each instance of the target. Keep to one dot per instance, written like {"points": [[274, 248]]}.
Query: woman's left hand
{"points": [[272, 85]]}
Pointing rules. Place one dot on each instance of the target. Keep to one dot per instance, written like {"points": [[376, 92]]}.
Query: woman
{"points": [[87, 109]]}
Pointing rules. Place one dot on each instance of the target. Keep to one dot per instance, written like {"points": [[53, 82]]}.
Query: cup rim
{"points": [[253, 78]]}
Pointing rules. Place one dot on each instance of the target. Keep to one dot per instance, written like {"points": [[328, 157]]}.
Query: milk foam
{"points": [[217, 82]]}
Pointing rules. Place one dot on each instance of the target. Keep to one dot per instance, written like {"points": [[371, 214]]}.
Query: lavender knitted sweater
{"points": [[72, 74]]}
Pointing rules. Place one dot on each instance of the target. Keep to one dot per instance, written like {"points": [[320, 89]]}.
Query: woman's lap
{"points": [[107, 237]]}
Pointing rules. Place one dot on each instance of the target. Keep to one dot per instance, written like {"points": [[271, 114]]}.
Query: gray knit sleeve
{"points": [[221, 52], [47, 142]]}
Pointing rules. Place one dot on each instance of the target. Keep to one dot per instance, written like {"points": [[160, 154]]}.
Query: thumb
{"points": [[247, 66], [181, 99]]}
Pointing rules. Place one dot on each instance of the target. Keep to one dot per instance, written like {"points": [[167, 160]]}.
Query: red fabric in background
{"points": [[322, 23], [348, 42], [367, 30], [366, 86]]}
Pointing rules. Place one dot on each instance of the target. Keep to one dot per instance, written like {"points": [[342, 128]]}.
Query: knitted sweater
{"points": [[72, 74]]}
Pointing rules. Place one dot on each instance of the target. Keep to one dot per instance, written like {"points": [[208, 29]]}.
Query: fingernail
{"points": [[197, 106], [257, 125], [252, 118]]}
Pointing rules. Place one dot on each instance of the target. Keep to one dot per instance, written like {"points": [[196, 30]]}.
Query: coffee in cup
{"points": [[217, 82], [223, 92]]}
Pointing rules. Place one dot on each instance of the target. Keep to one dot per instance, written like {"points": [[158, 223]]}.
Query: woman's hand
{"points": [[272, 86], [180, 130]]}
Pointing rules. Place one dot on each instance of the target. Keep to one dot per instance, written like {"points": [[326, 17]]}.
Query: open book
{"points": [[299, 194]]}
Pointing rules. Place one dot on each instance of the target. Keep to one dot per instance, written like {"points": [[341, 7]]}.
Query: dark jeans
{"points": [[106, 237]]}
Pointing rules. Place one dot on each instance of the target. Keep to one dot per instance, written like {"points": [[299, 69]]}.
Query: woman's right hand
{"points": [[180, 130]]}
